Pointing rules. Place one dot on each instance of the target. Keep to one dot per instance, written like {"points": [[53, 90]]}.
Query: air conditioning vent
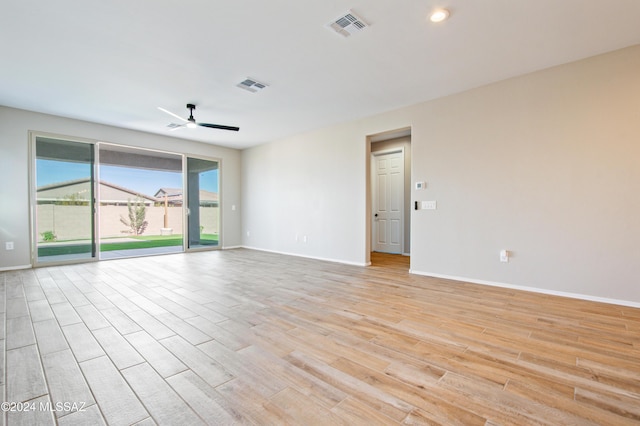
{"points": [[173, 125], [252, 85], [347, 24]]}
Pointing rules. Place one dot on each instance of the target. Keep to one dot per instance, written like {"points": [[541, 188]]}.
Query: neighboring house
{"points": [[174, 197], [78, 192]]}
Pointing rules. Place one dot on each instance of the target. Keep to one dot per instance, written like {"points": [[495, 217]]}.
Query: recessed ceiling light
{"points": [[439, 15]]}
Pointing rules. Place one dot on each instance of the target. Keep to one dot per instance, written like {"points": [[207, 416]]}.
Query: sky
{"points": [[146, 182]]}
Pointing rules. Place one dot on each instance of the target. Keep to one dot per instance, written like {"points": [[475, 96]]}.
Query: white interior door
{"points": [[388, 202]]}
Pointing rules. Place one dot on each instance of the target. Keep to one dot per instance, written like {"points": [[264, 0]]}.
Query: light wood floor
{"points": [[246, 337]]}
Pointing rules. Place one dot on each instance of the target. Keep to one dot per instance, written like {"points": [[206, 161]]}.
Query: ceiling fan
{"points": [[192, 123]]}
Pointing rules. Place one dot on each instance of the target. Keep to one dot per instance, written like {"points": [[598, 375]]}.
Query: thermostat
{"points": [[421, 185]]}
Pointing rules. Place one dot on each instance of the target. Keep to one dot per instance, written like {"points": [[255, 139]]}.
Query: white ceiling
{"points": [[115, 61]]}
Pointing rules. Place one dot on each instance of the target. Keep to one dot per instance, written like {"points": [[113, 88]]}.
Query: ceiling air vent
{"points": [[347, 24], [251, 85]]}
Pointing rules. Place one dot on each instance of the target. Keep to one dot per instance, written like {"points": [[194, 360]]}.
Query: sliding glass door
{"points": [[101, 200], [140, 193], [203, 204], [64, 201]]}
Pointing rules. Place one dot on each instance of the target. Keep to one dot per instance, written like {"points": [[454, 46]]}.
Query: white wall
{"points": [[14, 173], [311, 187], [544, 165]]}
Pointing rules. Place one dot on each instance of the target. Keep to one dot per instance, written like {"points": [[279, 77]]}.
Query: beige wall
{"points": [[74, 222], [66, 222], [110, 225], [544, 165]]}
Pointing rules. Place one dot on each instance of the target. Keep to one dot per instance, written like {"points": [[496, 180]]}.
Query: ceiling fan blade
{"points": [[219, 126], [172, 114]]}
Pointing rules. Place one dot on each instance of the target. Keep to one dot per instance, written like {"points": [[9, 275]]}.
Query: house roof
{"points": [[167, 54], [175, 195], [110, 191], [168, 191], [115, 193]]}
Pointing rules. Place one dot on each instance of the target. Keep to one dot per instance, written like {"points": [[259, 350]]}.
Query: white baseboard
{"points": [[308, 257], [15, 268], [531, 289], [231, 247]]}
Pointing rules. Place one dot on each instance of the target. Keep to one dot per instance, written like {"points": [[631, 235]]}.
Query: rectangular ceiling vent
{"points": [[252, 85], [348, 24]]}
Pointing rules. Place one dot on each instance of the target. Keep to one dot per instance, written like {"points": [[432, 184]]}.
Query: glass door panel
{"points": [[64, 198], [203, 212], [140, 202]]}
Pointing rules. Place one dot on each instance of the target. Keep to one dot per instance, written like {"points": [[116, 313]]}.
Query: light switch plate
{"points": [[429, 205]]}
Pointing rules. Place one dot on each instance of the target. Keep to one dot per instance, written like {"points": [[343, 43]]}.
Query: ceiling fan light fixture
{"points": [[439, 15], [192, 124]]}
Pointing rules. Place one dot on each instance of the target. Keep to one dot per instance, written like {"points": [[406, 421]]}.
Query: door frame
{"points": [[373, 197], [33, 228], [185, 197], [136, 150], [33, 205], [373, 138]]}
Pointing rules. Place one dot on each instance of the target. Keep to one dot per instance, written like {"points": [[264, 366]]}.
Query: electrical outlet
{"points": [[504, 256], [8, 245]]}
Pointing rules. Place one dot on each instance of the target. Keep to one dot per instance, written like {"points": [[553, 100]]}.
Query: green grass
{"points": [[142, 242], [64, 249]]}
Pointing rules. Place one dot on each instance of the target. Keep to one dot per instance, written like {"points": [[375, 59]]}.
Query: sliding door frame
{"points": [[185, 185], [33, 199], [94, 202], [107, 147]]}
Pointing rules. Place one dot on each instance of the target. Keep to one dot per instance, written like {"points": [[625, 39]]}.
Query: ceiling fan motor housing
{"points": [[192, 121]]}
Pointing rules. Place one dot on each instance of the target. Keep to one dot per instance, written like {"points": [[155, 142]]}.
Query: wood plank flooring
{"points": [[247, 337]]}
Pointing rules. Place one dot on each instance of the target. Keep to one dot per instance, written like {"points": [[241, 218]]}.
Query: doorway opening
{"points": [[136, 218], [388, 199]]}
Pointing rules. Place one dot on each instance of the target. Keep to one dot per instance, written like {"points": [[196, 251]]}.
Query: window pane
{"points": [[203, 199], [64, 200]]}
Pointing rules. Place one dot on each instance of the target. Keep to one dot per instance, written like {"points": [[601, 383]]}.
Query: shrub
{"points": [[137, 213], [48, 236]]}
